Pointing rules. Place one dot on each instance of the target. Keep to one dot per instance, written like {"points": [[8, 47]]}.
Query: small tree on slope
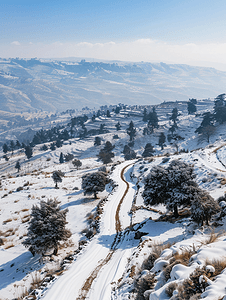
{"points": [[57, 177], [94, 183], [204, 207], [46, 228]]}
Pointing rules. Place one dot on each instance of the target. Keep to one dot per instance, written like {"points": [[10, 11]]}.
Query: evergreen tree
{"points": [[108, 146], [117, 109], [108, 114], [83, 132], [97, 141], [173, 128], [105, 157], [162, 140], [207, 128], [61, 159], [6, 157], [129, 153], [94, 183], [174, 115], [173, 186], [145, 131], [44, 148], [118, 126], [220, 108], [148, 150], [18, 145], [57, 177], [28, 151], [46, 228], [203, 207], [77, 163], [131, 131], [152, 120], [101, 130], [106, 154], [68, 156], [59, 143], [5, 148], [191, 106], [65, 135], [12, 146], [52, 146], [17, 166], [145, 115]]}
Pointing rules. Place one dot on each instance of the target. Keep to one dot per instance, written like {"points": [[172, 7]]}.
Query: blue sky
{"points": [[125, 30]]}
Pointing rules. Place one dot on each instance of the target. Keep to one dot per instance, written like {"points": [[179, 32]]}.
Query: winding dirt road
{"points": [[104, 259]]}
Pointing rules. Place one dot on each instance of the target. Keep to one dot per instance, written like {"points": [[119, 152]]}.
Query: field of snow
{"points": [[111, 264]]}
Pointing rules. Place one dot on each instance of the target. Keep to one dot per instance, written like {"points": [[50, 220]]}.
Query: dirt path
{"points": [[88, 283]]}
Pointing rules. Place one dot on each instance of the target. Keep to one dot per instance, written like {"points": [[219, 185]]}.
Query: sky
{"points": [[171, 31]]}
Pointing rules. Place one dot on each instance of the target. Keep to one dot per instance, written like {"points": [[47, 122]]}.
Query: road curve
{"points": [[76, 282]]}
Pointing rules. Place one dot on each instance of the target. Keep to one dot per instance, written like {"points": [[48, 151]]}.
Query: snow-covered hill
{"points": [[35, 85], [114, 264]]}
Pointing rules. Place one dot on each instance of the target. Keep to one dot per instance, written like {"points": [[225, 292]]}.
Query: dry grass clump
{"points": [[142, 284], [157, 249], [23, 294], [218, 264], [7, 221], [213, 237], [35, 280], [9, 246], [171, 288], [182, 258]]}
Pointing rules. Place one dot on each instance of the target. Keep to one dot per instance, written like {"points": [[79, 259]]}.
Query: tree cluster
{"points": [[175, 187], [128, 153], [148, 150], [106, 154], [152, 120]]}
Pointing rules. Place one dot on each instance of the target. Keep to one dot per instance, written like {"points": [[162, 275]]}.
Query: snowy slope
{"points": [[109, 264]]}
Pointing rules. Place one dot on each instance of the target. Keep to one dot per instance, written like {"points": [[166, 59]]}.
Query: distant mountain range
{"points": [[33, 85]]}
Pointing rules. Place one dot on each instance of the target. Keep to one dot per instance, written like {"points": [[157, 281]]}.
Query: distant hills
{"points": [[34, 85]]}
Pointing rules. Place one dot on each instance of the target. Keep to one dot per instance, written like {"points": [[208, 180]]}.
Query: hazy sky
{"points": [[185, 31]]}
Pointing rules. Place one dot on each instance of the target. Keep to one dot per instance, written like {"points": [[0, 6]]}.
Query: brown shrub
{"points": [[171, 288], [144, 283], [35, 280], [148, 263], [192, 286], [167, 270], [213, 237], [218, 264], [184, 256]]}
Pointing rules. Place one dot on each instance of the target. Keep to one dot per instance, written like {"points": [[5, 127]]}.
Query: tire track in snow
{"points": [[88, 283]]}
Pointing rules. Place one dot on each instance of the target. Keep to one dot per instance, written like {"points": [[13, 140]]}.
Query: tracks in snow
{"points": [[79, 280], [88, 283]]}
